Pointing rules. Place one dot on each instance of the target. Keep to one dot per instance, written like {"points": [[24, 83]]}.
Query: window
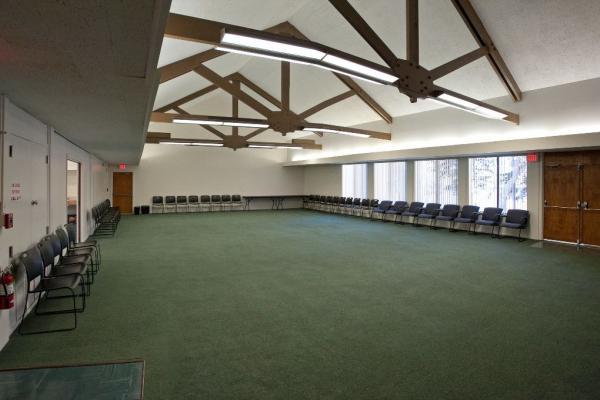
{"points": [[498, 182], [390, 181], [354, 180], [436, 181]]}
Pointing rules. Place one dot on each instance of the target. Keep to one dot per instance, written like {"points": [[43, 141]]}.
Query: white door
{"points": [[39, 191]]}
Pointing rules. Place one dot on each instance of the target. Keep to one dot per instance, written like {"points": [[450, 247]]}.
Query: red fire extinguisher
{"points": [[7, 291]]}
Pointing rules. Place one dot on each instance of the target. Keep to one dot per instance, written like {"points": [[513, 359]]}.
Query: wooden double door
{"points": [[572, 197]]}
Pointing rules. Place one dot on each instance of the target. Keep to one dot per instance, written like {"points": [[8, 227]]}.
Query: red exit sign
{"points": [[122, 166], [532, 157]]}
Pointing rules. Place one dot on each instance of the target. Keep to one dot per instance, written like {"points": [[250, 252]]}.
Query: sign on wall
{"points": [[15, 191]]}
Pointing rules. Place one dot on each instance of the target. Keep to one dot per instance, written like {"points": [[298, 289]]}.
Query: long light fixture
{"points": [[359, 68], [468, 106], [193, 144], [268, 146], [339, 132], [241, 124], [251, 44], [237, 39], [230, 49]]}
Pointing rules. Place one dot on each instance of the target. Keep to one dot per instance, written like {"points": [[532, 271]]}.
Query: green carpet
{"points": [[302, 305]]}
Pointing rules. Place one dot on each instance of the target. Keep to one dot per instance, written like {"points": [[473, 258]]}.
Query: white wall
{"points": [[32, 141], [185, 170]]}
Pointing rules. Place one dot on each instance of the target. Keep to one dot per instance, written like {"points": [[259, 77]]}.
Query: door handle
{"points": [[584, 204], [34, 202], [578, 204]]}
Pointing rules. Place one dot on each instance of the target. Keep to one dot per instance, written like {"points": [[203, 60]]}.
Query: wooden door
{"points": [[590, 204], [562, 197], [123, 191]]}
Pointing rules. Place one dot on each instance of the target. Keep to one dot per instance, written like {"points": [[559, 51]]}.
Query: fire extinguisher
{"points": [[7, 291]]}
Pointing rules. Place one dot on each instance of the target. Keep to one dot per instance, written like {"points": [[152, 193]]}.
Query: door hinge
{"points": [[10, 150], [46, 159]]}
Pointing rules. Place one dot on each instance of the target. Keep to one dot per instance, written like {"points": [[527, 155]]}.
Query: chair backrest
{"points": [[157, 199], [342, 200], [432, 208], [215, 198], [491, 214], [415, 207], [71, 232], [33, 263], [335, 200], [516, 216], [356, 201], [170, 200], [349, 201], [193, 199], [365, 202], [46, 251], [385, 205], [323, 199], [181, 199], [226, 198], [451, 210], [374, 202], [399, 205], [64, 237], [236, 198], [469, 212], [205, 198], [328, 199]]}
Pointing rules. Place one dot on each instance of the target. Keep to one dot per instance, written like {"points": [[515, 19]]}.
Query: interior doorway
{"points": [[123, 191], [74, 193]]}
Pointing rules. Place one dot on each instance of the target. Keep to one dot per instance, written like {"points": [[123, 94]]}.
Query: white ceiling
{"points": [[544, 42], [87, 68]]}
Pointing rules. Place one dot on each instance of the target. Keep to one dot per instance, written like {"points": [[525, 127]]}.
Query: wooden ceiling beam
{"points": [[258, 90], [327, 103], [412, 31], [187, 64], [365, 31], [350, 83], [221, 82], [285, 85], [235, 109], [182, 27], [458, 63], [169, 117], [189, 97], [175, 28], [481, 35], [510, 116], [372, 134], [255, 133]]}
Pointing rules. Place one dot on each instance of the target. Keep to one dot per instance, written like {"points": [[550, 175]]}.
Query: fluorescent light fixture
{"points": [[197, 122], [258, 54], [245, 124], [194, 144], [359, 68], [339, 71], [339, 132], [268, 146], [468, 106], [271, 45], [220, 123]]}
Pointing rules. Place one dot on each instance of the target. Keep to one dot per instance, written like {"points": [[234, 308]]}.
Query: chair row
{"points": [[106, 219], [193, 203], [59, 267], [419, 213]]}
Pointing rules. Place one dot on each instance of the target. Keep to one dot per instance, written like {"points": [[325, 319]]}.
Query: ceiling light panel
{"points": [[359, 68], [271, 45]]}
